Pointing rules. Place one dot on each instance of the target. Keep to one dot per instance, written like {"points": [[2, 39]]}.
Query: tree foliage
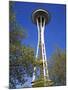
{"points": [[21, 56], [57, 68]]}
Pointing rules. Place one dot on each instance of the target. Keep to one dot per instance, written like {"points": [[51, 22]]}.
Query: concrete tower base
{"points": [[41, 82]]}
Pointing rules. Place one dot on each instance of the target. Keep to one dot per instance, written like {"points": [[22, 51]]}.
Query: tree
{"points": [[21, 56], [57, 67]]}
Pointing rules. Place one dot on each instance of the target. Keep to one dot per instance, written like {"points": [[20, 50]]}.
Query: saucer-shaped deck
{"points": [[40, 13]]}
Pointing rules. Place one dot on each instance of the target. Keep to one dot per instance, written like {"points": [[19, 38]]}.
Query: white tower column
{"points": [[41, 17], [41, 44]]}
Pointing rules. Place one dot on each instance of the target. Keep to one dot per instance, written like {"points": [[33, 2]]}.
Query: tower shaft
{"points": [[41, 52], [40, 75]]}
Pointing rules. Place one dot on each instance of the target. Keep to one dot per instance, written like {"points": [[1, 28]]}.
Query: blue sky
{"points": [[55, 31]]}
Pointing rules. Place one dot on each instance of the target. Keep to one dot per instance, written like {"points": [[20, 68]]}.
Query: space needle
{"points": [[41, 18]]}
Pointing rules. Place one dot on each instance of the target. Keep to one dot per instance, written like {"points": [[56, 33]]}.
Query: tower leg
{"points": [[43, 79]]}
